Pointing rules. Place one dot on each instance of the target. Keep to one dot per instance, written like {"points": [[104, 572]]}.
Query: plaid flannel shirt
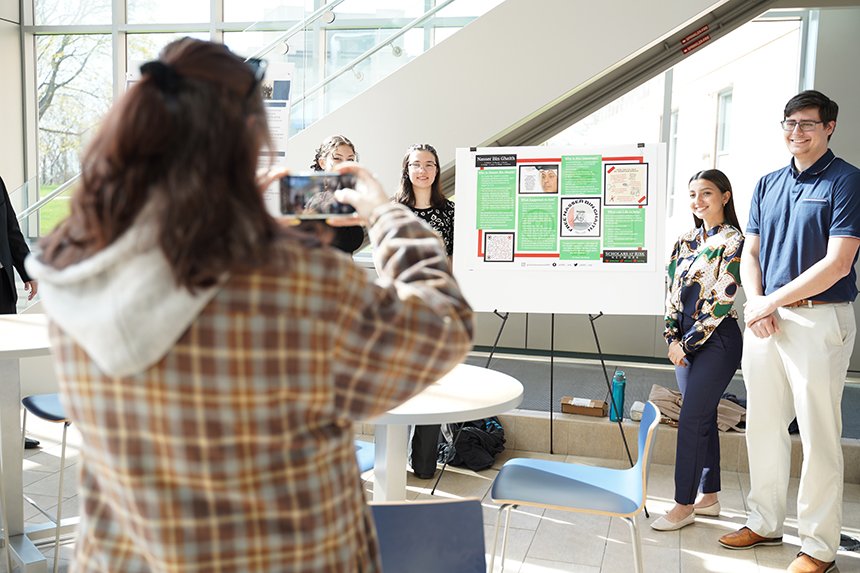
{"points": [[235, 451]]}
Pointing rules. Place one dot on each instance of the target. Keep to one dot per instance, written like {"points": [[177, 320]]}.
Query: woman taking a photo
{"points": [[704, 341], [214, 361]]}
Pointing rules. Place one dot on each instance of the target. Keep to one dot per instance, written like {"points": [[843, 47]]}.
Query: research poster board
{"points": [[562, 229]]}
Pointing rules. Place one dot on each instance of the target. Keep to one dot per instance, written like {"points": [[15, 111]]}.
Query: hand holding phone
{"points": [[366, 195]]}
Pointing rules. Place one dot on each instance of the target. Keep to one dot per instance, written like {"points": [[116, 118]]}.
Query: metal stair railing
{"points": [[379, 46]]}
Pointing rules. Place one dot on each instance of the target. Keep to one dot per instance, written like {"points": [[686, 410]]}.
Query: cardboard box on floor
{"points": [[584, 406]]}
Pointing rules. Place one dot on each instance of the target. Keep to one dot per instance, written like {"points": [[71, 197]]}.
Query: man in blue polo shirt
{"points": [[798, 272]]}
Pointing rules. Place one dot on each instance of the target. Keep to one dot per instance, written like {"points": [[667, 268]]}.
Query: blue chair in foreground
{"points": [[579, 488], [48, 407], [365, 452], [431, 536]]}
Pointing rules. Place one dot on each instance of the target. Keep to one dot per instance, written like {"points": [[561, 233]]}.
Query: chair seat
{"points": [[46, 406], [525, 481]]}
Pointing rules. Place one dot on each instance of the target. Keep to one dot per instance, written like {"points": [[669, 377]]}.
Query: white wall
{"points": [[835, 75], [499, 70], [11, 115]]}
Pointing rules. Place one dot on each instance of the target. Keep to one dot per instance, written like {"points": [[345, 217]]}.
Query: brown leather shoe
{"points": [[746, 538], [807, 564]]}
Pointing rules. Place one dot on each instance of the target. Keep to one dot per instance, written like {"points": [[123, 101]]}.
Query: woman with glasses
{"points": [[421, 192], [214, 361], [704, 341]]}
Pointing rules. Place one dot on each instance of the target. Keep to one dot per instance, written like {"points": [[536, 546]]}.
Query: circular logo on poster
{"points": [[580, 216]]}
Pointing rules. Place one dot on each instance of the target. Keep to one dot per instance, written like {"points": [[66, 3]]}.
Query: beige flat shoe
{"points": [[663, 524], [712, 510]]}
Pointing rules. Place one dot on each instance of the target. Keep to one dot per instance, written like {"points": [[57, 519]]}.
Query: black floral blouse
{"points": [[703, 278], [441, 219]]}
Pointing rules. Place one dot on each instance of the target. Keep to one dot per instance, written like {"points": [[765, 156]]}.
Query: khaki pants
{"points": [[799, 371]]}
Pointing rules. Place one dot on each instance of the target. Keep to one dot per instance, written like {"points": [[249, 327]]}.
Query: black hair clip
{"points": [[164, 76]]}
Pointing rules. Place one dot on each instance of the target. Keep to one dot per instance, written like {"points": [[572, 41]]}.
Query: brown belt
{"points": [[808, 303]]}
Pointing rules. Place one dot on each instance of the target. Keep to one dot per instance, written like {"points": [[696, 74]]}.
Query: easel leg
{"points": [[612, 404]]}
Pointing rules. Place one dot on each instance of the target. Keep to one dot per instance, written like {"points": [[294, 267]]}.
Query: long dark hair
{"points": [[722, 183], [406, 194], [331, 143], [184, 142]]}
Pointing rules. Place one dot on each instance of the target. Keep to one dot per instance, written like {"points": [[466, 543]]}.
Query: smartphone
{"points": [[311, 195]]}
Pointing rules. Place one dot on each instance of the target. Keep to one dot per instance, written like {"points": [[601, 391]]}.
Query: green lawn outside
{"points": [[54, 211]]}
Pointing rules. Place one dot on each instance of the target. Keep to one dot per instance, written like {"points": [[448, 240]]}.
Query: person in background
{"points": [[798, 271], [13, 251], [704, 341], [215, 361], [333, 151], [421, 192]]}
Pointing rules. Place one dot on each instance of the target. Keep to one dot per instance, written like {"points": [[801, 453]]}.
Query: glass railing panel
{"points": [[468, 9], [266, 10]]}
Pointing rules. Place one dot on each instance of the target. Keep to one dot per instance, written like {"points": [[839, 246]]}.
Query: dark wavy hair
{"points": [[184, 142], [331, 143], [721, 181], [406, 194]]}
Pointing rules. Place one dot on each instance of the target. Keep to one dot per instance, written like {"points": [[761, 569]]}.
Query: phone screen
{"points": [[311, 195]]}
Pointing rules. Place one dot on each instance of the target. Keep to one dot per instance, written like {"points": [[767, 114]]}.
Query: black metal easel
{"points": [[615, 407]]}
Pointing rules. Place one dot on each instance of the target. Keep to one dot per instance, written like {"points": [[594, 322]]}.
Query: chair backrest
{"points": [[431, 536], [365, 453], [647, 433]]}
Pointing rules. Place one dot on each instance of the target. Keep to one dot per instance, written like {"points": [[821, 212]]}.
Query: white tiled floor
{"points": [[539, 542]]}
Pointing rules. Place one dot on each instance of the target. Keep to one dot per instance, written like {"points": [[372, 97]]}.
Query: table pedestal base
{"points": [[389, 471]]}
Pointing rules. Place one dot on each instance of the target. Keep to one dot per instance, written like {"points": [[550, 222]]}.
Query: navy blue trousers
{"points": [[702, 383]]}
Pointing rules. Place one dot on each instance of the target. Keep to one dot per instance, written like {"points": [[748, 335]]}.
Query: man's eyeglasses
{"points": [[258, 68], [805, 125], [425, 166]]}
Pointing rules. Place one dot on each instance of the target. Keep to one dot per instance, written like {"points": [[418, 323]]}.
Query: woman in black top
{"points": [[333, 151], [420, 191]]}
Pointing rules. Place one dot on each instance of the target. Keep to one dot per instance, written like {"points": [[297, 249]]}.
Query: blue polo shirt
{"points": [[794, 214]]}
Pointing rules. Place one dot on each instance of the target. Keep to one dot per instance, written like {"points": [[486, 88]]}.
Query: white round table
{"points": [[21, 336], [466, 393]]}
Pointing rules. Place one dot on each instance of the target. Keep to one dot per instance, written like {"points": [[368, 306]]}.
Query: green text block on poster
{"points": [[581, 174], [623, 228], [537, 224], [497, 190], [580, 250]]}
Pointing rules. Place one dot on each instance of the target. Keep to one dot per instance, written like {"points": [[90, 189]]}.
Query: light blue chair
{"points": [[579, 488], [48, 407], [365, 452], [431, 536]]}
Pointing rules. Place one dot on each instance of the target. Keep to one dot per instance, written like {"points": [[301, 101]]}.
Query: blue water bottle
{"points": [[616, 408]]}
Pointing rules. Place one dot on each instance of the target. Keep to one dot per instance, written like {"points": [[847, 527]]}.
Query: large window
{"points": [[759, 61], [78, 76]]}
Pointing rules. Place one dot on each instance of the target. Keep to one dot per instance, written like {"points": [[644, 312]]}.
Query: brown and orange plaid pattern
{"points": [[235, 451]]}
